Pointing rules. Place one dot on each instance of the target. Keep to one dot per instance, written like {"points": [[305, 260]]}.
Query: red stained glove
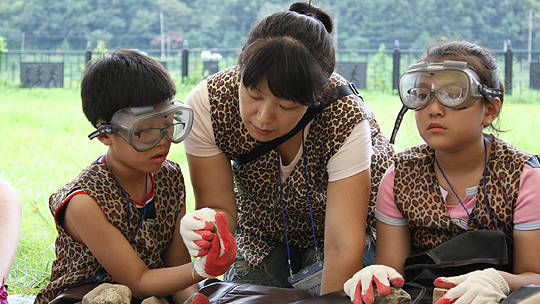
{"points": [[197, 298], [360, 287], [477, 287], [196, 229], [222, 251]]}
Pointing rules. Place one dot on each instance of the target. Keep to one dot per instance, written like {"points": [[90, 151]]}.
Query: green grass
{"points": [[45, 144]]}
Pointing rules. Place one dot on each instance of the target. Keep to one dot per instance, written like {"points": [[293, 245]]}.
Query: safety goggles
{"points": [[453, 83], [144, 127]]}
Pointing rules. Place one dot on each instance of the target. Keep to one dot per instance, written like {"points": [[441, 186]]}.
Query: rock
{"points": [[107, 293], [396, 296], [154, 300], [438, 293]]}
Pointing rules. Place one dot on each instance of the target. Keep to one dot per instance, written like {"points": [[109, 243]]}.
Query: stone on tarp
{"points": [[396, 296], [107, 293]]}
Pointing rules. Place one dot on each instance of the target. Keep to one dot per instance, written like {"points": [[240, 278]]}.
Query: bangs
{"points": [[141, 84], [287, 66]]}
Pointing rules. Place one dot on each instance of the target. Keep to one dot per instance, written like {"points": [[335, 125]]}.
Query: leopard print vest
{"points": [[260, 224], [74, 262], [422, 204]]}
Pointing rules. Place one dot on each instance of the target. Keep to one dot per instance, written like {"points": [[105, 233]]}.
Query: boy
{"points": [[118, 220]]}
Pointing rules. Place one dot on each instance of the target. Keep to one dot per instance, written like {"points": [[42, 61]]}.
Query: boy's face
{"points": [[145, 126], [126, 156]]}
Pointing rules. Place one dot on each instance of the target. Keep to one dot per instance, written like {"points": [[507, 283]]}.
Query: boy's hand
{"points": [[360, 287], [221, 254], [197, 231], [197, 298], [481, 286]]}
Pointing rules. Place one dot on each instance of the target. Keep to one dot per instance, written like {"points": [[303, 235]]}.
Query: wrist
{"points": [[199, 269], [499, 280]]}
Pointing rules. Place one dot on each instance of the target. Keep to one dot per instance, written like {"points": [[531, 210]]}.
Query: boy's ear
{"points": [[492, 110], [106, 139]]}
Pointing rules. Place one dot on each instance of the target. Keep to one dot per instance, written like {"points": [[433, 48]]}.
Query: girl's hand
{"points": [[481, 286], [360, 287]]}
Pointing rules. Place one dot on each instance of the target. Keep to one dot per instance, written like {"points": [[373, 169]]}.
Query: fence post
{"points": [[185, 59], [508, 60], [395, 72], [88, 53]]}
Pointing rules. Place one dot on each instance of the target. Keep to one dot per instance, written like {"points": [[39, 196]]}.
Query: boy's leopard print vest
{"points": [[418, 198], [75, 263], [260, 223]]}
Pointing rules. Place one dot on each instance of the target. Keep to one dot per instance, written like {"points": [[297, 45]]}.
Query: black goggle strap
{"points": [[399, 118], [102, 130], [489, 92]]}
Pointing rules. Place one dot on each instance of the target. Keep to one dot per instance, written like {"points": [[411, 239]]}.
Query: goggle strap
{"points": [[399, 118], [490, 92], [101, 130]]}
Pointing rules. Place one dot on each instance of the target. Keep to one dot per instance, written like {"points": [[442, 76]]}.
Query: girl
{"points": [[10, 226], [461, 179]]}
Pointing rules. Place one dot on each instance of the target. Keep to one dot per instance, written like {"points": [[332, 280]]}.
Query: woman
{"points": [[309, 192]]}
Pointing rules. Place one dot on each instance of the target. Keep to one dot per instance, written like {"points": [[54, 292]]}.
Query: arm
{"points": [[85, 222], [345, 226], [526, 262], [393, 246], [10, 226], [177, 255], [212, 181]]}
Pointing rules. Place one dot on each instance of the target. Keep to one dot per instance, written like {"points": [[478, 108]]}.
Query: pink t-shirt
{"points": [[526, 212]]}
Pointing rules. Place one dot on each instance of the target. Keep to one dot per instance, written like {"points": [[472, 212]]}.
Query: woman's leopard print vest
{"points": [[260, 223], [418, 198], [75, 263]]}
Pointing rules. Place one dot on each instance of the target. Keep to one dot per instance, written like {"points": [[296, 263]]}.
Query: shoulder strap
{"points": [[265, 147]]}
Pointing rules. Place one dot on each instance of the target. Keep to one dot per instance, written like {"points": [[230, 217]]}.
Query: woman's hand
{"points": [[222, 252], [196, 229]]}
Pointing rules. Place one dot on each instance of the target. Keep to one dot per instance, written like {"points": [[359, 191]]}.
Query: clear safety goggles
{"points": [[144, 127], [453, 83]]}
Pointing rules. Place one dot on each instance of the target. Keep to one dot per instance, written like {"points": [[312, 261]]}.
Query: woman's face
{"points": [[266, 116]]}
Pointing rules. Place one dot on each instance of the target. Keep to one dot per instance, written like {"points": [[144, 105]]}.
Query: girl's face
{"points": [[452, 130], [266, 116]]}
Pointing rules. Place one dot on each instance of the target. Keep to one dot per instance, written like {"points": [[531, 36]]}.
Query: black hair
{"points": [[125, 78], [293, 51], [480, 59]]}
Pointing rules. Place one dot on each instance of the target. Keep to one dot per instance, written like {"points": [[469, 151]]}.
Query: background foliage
{"points": [[70, 24]]}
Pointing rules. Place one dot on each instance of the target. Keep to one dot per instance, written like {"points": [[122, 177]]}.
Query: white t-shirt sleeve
{"points": [[200, 141], [354, 156]]}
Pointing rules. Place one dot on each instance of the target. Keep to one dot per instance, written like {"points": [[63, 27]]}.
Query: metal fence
{"points": [[370, 69]]}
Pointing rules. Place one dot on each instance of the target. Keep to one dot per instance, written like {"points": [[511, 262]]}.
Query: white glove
{"points": [[196, 229], [360, 287], [477, 287]]}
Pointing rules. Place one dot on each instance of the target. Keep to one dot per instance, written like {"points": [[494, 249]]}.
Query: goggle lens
{"points": [[174, 126], [450, 88]]}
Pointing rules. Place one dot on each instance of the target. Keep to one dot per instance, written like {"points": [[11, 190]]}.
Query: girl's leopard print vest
{"points": [[418, 198], [74, 262], [260, 223]]}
